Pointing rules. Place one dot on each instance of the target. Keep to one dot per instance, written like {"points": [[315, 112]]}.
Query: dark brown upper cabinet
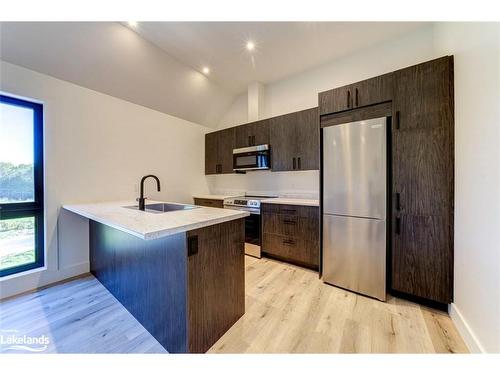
{"points": [[211, 153], [373, 91], [219, 151], [294, 140], [335, 100], [422, 138], [364, 93], [252, 134]]}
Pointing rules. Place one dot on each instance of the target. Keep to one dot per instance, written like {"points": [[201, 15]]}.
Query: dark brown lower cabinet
{"points": [[216, 283], [186, 289], [422, 257], [219, 203], [291, 233]]}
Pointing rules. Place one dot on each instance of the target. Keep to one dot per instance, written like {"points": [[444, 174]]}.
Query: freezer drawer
{"points": [[354, 254], [354, 169]]}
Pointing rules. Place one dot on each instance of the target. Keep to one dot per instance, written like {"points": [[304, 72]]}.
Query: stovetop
{"points": [[252, 201]]}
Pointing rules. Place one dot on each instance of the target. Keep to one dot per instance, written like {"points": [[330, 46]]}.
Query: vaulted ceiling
{"points": [[158, 64], [281, 48]]}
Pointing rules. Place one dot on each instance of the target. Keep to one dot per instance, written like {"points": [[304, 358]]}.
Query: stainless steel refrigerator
{"points": [[355, 206]]}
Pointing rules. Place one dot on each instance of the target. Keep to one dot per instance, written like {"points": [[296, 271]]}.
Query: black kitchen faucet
{"points": [[141, 199]]}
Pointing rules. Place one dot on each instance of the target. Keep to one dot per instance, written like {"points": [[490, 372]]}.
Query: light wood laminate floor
{"points": [[78, 316], [288, 310]]}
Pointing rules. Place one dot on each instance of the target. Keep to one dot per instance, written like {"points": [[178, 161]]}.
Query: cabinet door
{"points": [[422, 261], [373, 91], [423, 95], [282, 138], [243, 135], [307, 143], [211, 153], [252, 134], [260, 132], [336, 100], [421, 171], [423, 138], [225, 150], [423, 180]]}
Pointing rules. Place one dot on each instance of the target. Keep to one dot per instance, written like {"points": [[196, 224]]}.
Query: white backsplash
{"points": [[298, 184]]}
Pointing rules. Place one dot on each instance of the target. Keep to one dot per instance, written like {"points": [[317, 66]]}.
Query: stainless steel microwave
{"points": [[252, 158]]}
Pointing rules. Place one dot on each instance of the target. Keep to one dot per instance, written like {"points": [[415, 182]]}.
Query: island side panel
{"points": [[149, 278], [216, 282]]}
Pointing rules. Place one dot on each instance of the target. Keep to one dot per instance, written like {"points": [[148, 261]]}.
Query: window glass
{"points": [[17, 242], [16, 154]]}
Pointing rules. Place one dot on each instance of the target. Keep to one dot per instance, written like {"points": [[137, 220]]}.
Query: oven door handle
{"points": [[255, 211]]}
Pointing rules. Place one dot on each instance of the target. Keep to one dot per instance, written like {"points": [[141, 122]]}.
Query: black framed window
{"points": [[21, 185]]}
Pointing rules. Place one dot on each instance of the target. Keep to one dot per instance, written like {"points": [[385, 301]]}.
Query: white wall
{"points": [[476, 50], [97, 148], [301, 92], [237, 113]]}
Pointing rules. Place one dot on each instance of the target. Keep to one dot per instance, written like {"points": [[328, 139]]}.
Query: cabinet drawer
{"points": [[302, 227], [209, 202], [291, 210], [291, 249]]}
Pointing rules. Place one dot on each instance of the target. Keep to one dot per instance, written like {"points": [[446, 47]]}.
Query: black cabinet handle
{"points": [[348, 98], [289, 222], [298, 163], [288, 210], [288, 242], [398, 201], [192, 245], [356, 97], [397, 228], [294, 166], [397, 120], [249, 140], [253, 140]]}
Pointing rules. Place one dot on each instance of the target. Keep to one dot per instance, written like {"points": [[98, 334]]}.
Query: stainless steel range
{"points": [[252, 223]]}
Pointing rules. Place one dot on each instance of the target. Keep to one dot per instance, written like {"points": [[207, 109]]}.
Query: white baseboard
{"points": [[465, 331], [31, 281]]}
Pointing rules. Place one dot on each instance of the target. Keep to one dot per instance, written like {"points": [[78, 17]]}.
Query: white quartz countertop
{"points": [[149, 225], [292, 201], [216, 196]]}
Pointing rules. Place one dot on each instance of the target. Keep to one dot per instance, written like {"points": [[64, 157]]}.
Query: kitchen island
{"points": [[179, 273]]}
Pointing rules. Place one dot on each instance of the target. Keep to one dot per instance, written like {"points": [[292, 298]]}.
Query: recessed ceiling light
{"points": [[132, 24], [206, 70], [250, 45]]}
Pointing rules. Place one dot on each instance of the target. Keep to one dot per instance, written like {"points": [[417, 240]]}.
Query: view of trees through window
{"points": [[16, 182], [17, 235]]}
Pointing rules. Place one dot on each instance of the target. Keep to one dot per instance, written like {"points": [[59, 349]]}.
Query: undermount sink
{"points": [[159, 208]]}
